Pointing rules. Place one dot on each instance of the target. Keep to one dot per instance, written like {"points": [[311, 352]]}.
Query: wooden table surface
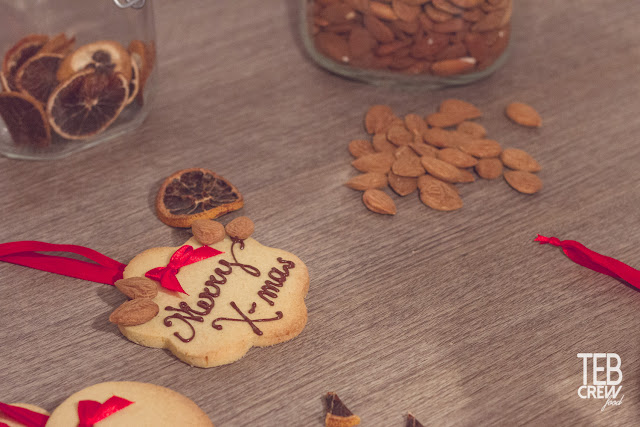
{"points": [[459, 318]]}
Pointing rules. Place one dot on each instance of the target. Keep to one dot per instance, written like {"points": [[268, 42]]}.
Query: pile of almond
{"points": [[438, 37], [432, 154]]}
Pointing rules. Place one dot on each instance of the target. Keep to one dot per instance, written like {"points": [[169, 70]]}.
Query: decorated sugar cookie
{"points": [[208, 301], [112, 404]]}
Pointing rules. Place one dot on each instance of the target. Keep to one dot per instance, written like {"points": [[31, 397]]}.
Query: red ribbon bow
{"points": [[585, 257], [90, 411], [24, 416], [185, 255]]}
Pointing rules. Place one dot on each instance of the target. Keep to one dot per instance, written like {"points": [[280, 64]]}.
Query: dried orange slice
{"points": [[145, 56], [37, 76], [24, 49], [59, 44], [25, 119], [87, 103], [134, 83], [195, 193], [104, 55]]}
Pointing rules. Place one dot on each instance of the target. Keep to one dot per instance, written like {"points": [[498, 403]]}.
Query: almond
{"points": [[465, 176], [240, 228], [451, 67], [437, 15], [404, 151], [444, 120], [377, 119], [338, 13], [378, 29], [481, 148], [415, 124], [360, 147], [409, 166], [441, 170], [523, 114], [376, 162], [489, 168], [423, 149], [457, 158], [445, 138], [134, 312], [466, 4], [519, 160], [438, 195], [360, 42], [402, 185], [207, 232], [491, 21], [379, 202], [447, 6], [472, 128], [381, 143], [460, 108], [404, 11], [382, 11], [138, 287], [399, 135], [367, 181], [524, 182]]}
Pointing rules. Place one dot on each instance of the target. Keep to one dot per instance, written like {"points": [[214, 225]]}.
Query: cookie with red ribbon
{"points": [[212, 303], [128, 403]]}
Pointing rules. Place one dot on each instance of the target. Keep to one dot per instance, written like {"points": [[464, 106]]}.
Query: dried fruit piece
{"points": [[408, 165], [423, 149], [134, 83], [519, 160], [399, 135], [445, 138], [402, 185], [438, 195], [523, 114], [105, 55], [379, 202], [472, 128], [196, 193], [134, 312], [360, 147], [37, 76], [444, 120], [58, 44], [338, 415], [481, 148], [17, 55], [367, 181], [137, 287], [240, 228], [87, 103], [378, 118], [460, 108], [489, 168], [524, 182], [207, 232], [414, 123], [25, 119], [144, 55], [381, 143], [457, 158], [376, 162], [441, 170], [412, 422]]}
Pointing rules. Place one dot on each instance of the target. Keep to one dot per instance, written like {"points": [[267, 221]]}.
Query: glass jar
{"points": [[75, 73], [425, 43]]}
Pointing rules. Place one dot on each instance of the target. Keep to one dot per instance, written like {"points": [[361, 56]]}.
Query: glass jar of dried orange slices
{"points": [[427, 43], [74, 73]]}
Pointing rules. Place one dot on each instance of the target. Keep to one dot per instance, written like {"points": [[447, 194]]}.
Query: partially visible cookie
{"points": [[11, 423], [153, 406]]}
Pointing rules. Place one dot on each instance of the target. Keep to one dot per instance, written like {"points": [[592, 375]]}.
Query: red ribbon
{"points": [[90, 411], [185, 255], [22, 415], [584, 256], [104, 270]]}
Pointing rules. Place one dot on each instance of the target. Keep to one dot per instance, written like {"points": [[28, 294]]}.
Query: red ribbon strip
{"points": [[185, 255], [584, 256], [105, 270], [22, 415], [91, 412]]}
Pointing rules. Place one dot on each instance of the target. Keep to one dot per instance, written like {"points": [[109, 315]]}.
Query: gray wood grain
{"points": [[457, 317]]}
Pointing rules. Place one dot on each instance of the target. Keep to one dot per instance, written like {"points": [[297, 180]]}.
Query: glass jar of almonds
{"points": [[74, 73], [426, 43]]}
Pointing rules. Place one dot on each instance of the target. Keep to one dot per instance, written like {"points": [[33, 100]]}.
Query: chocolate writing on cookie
{"points": [[268, 292]]}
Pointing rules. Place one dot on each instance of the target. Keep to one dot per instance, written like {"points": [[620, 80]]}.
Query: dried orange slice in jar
{"points": [[87, 103], [37, 76], [195, 193], [134, 83], [25, 119], [59, 43], [105, 55], [144, 55], [24, 49]]}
